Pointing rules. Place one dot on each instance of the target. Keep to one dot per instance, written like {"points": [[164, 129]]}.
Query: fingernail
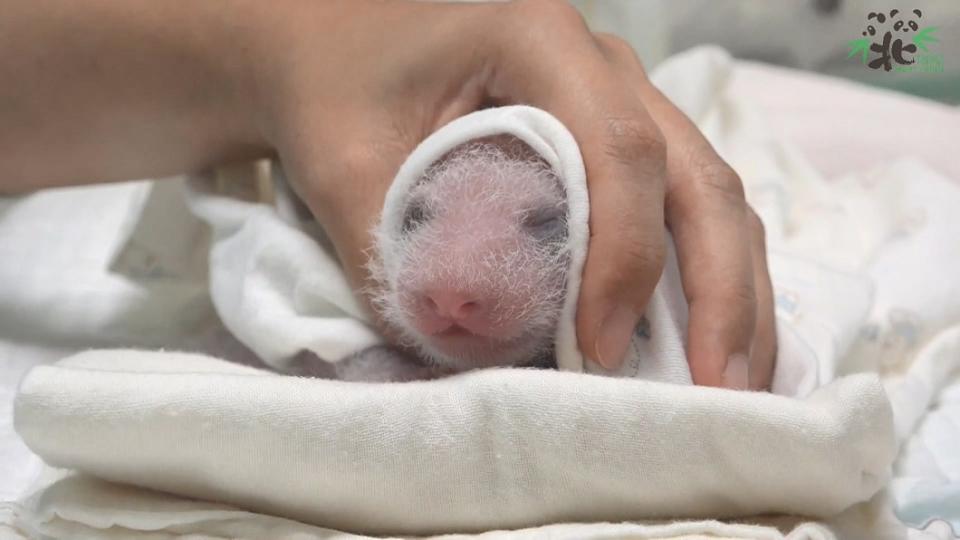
{"points": [[736, 375], [615, 335]]}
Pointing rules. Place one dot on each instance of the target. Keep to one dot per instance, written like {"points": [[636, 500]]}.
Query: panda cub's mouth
{"points": [[472, 351], [455, 331]]}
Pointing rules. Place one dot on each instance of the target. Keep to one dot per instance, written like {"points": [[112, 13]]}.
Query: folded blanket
{"points": [[488, 449]]}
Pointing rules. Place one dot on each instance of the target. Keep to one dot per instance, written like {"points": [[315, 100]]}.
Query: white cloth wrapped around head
{"points": [[479, 253], [475, 276]]}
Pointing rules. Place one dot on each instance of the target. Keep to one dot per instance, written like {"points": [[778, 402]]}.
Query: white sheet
{"points": [[927, 479], [57, 296]]}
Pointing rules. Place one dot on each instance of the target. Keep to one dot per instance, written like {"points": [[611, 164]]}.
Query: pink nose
{"points": [[452, 305]]}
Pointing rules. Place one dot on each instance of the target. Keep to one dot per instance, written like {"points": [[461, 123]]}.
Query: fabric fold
{"points": [[501, 448]]}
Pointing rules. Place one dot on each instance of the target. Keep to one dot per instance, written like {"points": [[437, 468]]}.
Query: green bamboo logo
{"points": [[897, 42]]}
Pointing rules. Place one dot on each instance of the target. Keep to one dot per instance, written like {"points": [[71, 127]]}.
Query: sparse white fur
{"points": [[477, 202]]}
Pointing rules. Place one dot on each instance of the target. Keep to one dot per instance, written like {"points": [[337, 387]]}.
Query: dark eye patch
{"points": [[547, 224], [417, 214]]}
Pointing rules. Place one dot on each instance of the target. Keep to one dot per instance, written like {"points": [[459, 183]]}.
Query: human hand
{"points": [[720, 243], [348, 89]]}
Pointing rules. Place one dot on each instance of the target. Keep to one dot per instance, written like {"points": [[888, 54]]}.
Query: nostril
{"points": [[466, 309]]}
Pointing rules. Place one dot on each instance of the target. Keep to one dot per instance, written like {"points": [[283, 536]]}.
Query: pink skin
{"points": [[477, 276]]}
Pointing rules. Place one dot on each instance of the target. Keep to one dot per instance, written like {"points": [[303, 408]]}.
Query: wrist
{"points": [[236, 55]]}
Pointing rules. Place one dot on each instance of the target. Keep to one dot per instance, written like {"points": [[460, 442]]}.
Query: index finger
{"points": [[563, 71]]}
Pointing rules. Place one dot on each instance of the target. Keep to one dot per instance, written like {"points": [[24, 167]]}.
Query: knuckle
{"points": [[623, 266], [707, 183], [647, 254], [631, 141], [739, 299], [538, 27], [736, 298], [615, 45], [558, 14], [757, 228], [744, 294], [641, 256], [720, 178]]}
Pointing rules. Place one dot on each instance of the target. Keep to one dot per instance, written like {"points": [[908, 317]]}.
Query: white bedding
{"points": [[58, 296], [921, 490], [927, 481]]}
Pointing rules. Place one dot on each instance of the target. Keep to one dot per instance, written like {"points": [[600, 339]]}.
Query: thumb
{"points": [[344, 183]]}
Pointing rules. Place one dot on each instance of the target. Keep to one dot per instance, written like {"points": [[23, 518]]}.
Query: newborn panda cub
{"points": [[476, 278]]}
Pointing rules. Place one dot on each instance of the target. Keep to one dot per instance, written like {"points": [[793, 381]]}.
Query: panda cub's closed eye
{"points": [[548, 223], [416, 215]]}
